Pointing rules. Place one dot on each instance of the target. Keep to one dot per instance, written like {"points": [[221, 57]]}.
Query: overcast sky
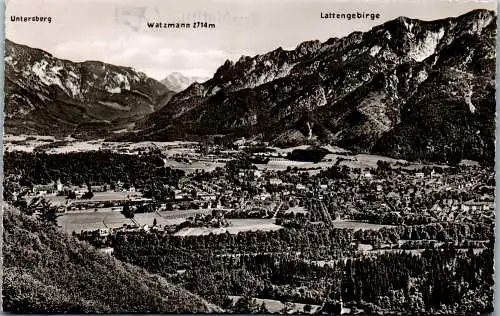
{"points": [[116, 32]]}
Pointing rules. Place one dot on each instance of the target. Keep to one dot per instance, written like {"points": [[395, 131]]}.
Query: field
{"points": [[78, 221], [274, 306], [98, 197], [168, 218], [235, 226], [68, 144], [193, 160], [92, 220], [297, 210], [418, 252], [357, 225], [26, 143], [193, 165], [113, 196], [361, 161]]}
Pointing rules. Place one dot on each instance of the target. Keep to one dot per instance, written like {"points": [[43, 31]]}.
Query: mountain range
{"points": [[47, 95], [412, 89], [407, 88]]}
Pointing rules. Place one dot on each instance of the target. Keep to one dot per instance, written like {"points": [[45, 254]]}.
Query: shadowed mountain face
{"points": [[47, 95], [408, 88]]}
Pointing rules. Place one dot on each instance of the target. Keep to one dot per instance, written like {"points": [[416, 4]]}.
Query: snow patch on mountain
{"points": [[9, 60], [56, 69], [74, 87], [47, 76], [374, 50], [72, 74], [122, 81], [426, 47], [117, 83], [422, 76], [113, 90], [408, 25], [479, 24], [215, 90]]}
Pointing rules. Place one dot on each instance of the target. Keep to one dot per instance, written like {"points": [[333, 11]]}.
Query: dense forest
{"points": [[289, 265], [419, 284], [93, 167]]}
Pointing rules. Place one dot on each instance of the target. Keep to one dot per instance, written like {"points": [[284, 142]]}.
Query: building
{"points": [[275, 181], [44, 188], [300, 186], [97, 188], [265, 196], [207, 196], [477, 206], [103, 232], [59, 186]]}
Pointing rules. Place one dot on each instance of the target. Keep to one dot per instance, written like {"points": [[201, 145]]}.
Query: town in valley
{"points": [[220, 193]]}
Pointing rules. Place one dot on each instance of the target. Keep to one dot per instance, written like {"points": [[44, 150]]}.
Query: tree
{"points": [[263, 309], [307, 308], [128, 212], [442, 235], [88, 195], [48, 213], [154, 222], [23, 206], [246, 304], [383, 165], [288, 307]]}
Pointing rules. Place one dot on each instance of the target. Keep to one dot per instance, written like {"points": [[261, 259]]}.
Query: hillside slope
{"points": [[407, 88], [46, 271]]}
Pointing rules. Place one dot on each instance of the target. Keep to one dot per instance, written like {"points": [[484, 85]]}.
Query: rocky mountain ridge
{"points": [[418, 90], [407, 88]]}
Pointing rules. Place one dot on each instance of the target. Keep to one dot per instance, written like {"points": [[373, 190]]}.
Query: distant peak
{"points": [[176, 73]]}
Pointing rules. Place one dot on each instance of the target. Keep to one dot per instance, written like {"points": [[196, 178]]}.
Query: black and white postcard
{"points": [[265, 157]]}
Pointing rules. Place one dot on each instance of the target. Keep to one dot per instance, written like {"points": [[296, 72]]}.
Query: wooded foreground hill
{"points": [[47, 271]]}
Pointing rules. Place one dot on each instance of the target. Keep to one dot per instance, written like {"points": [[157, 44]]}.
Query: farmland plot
{"points": [[235, 226], [82, 221]]}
